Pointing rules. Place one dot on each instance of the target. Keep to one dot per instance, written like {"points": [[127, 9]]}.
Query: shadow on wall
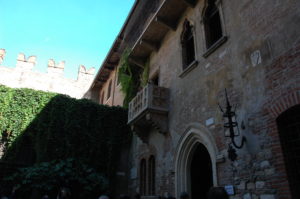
{"points": [[67, 142]]}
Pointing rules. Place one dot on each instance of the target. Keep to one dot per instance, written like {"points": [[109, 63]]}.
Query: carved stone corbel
{"points": [[158, 121]]}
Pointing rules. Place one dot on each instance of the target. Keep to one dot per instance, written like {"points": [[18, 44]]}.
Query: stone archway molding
{"points": [[283, 103], [195, 133], [275, 106]]}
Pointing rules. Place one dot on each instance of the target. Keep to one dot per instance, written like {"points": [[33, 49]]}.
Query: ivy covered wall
{"points": [[38, 127]]}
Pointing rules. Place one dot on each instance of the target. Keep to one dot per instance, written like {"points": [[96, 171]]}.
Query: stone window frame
{"points": [[147, 175], [193, 64], [224, 37], [194, 134]]}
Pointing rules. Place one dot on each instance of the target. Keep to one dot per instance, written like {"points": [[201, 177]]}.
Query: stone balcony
{"points": [[148, 110]]}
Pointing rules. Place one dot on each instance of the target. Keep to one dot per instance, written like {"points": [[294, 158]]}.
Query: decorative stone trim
{"points": [[284, 102], [215, 46], [220, 158], [189, 68], [196, 133]]}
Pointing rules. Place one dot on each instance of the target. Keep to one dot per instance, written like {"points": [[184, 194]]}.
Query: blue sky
{"points": [[75, 31]]}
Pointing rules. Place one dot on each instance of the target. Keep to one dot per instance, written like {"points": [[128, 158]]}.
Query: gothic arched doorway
{"points": [[289, 133], [195, 162], [201, 178]]}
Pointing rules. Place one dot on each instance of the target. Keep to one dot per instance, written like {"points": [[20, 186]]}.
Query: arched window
{"points": [[212, 23], [151, 175], [188, 46], [143, 176], [109, 90]]}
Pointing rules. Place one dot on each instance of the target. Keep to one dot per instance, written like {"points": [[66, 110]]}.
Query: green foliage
{"points": [[128, 75], [51, 128], [47, 176], [145, 74], [18, 108]]}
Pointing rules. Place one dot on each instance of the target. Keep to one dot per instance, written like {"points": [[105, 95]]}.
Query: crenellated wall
{"points": [[23, 76]]}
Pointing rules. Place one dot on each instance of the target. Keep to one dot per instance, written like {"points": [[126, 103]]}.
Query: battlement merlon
{"points": [[2, 55], [56, 69], [84, 74], [24, 64]]}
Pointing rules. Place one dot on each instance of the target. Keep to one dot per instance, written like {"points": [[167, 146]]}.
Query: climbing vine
{"points": [[129, 77], [18, 108], [47, 128], [145, 74]]}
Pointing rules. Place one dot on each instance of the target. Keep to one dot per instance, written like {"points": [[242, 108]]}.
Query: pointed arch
{"points": [[212, 23], [194, 135], [187, 44]]}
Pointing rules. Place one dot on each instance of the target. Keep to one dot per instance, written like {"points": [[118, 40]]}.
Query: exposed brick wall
{"points": [[263, 174], [283, 81], [282, 92]]}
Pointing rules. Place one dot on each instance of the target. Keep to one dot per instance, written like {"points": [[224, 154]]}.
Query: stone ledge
{"points": [[189, 68], [215, 46]]}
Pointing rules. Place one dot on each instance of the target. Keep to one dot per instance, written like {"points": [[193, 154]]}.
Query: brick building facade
{"points": [[196, 49]]}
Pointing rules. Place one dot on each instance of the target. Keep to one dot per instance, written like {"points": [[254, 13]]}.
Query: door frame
{"points": [[194, 134]]}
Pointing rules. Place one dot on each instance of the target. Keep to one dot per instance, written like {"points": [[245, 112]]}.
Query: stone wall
{"points": [[23, 76], [260, 67]]}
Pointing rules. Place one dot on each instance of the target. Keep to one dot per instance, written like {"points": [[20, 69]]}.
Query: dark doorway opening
{"points": [[155, 80], [289, 133], [201, 173]]}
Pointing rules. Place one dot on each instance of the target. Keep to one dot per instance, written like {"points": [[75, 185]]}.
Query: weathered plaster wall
{"points": [[116, 96], [260, 67]]}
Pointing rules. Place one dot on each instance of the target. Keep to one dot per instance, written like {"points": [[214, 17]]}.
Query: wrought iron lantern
{"points": [[231, 129]]}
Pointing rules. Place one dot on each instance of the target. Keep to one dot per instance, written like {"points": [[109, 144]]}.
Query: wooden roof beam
{"points": [[190, 3], [103, 78], [98, 83], [109, 67], [137, 61], [166, 23], [101, 81], [150, 44], [116, 51], [112, 63]]}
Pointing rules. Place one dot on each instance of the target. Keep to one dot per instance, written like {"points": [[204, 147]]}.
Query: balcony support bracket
{"points": [[158, 121], [152, 121]]}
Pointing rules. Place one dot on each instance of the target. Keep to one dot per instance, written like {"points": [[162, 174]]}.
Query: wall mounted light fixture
{"points": [[231, 129]]}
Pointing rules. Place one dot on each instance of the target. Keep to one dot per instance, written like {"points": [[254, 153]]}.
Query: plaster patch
{"points": [[133, 173], [222, 54], [255, 58], [209, 121], [207, 65]]}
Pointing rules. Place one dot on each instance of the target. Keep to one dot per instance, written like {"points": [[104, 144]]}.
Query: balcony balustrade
{"points": [[148, 110]]}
